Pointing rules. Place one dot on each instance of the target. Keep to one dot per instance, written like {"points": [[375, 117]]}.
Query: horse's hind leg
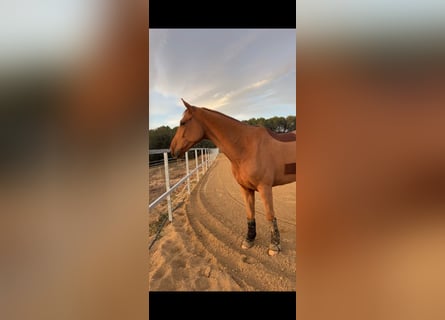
{"points": [[249, 199], [266, 196]]}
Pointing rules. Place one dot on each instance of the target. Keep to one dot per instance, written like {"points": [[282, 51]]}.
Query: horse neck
{"points": [[226, 133]]}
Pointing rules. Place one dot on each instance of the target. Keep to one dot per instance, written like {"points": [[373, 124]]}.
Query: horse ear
{"points": [[187, 105]]}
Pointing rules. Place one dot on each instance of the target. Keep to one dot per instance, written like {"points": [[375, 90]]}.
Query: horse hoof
{"points": [[247, 244], [273, 250]]}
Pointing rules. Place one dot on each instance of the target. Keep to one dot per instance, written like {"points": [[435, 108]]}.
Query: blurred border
{"points": [[370, 159], [74, 141]]}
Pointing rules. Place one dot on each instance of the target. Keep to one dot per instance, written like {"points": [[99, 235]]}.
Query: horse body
{"points": [[265, 163], [259, 159]]}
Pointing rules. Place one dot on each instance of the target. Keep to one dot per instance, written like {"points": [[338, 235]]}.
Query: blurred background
{"points": [[73, 140], [371, 159]]}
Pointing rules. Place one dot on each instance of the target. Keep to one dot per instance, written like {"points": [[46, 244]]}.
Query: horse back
{"points": [[278, 152], [283, 137]]}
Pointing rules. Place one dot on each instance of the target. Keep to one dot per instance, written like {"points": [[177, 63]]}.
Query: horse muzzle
{"points": [[177, 153]]}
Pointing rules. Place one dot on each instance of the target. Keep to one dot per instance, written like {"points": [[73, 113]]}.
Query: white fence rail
{"points": [[208, 155]]}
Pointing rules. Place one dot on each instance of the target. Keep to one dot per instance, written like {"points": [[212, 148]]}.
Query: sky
{"points": [[244, 73]]}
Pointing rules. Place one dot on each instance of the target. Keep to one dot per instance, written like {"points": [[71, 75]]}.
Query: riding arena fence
{"points": [[179, 172]]}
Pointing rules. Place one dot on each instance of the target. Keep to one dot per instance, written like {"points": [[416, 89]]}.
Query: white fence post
{"points": [[197, 164], [202, 161], [188, 171], [208, 158], [167, 186]]}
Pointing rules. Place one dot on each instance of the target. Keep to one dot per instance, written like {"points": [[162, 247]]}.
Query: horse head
{"points": [[188, 134]]}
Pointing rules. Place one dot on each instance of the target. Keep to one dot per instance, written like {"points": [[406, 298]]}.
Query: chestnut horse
{"points": [[260, 159]]}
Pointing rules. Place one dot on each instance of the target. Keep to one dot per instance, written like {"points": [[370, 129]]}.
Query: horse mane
{"points": [[224, 115], [280, 136]]}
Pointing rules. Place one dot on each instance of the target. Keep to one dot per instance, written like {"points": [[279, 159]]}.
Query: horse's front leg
{"points": [[249, 199], [266, 196]]}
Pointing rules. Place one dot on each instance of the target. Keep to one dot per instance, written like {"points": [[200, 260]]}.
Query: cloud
{"points": [[163, 107], [222, 69]]}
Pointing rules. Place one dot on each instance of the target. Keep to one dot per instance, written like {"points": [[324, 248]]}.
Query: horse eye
{"points": [[181, 123]]}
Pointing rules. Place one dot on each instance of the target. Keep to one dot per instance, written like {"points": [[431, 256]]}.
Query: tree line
{"points": [[161, 137], [278, 124]]}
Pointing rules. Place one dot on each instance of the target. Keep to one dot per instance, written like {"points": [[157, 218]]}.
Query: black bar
{"points": [[222, 305], [222, 14]]}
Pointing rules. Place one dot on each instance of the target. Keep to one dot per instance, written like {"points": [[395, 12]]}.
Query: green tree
{"points": [[278, 124], [161, 137], [291, 123]]}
